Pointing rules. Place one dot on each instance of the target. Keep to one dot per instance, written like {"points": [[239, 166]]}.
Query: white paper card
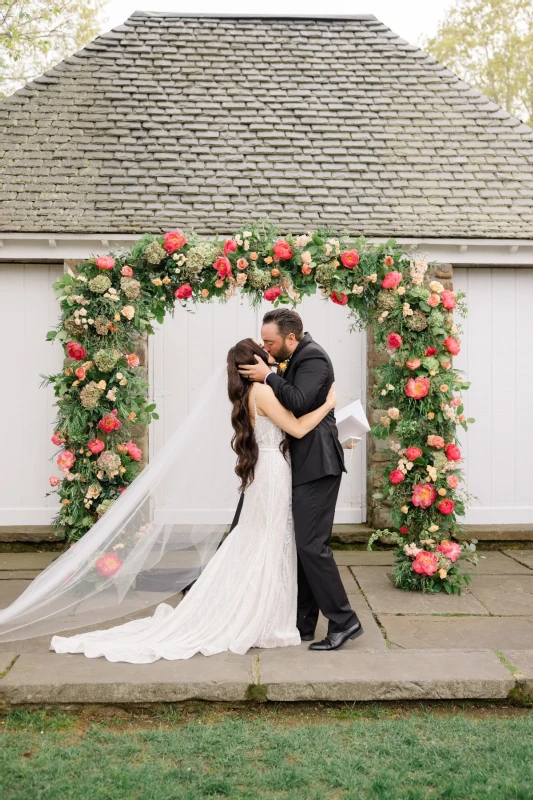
{"points": [[352, 423]]}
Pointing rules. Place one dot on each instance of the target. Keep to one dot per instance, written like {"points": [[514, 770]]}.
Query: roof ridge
{"points": [[198, 15]]}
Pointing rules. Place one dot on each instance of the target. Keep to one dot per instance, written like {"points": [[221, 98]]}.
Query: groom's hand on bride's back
{"points": [[255, 372]]}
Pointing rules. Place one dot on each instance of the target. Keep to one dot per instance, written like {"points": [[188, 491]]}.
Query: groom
{"points": [[306, 375]]}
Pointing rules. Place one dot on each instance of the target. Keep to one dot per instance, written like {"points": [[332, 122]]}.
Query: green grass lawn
{"points": [[351, 755]]}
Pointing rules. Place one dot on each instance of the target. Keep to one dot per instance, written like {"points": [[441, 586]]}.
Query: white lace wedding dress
{"points": [[246, 595]]}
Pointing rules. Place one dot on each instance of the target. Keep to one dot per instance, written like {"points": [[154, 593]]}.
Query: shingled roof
{"points": [[204, 122]]}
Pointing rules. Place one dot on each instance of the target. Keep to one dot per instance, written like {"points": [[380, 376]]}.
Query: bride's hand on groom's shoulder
{"points": [[332, 398]]}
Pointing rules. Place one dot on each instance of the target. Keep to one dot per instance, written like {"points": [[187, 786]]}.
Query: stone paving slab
{"points": [[522, 556], [20, 574], [363, 558], [504, 595], [396, 675], [458, 633], [522, 660], [348, 581], [384, 598], [6, 659], [14, 561], [10, 590], [496, 564]]}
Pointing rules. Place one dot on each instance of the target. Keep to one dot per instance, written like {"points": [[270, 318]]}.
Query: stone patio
{"points": [[477, 646]]}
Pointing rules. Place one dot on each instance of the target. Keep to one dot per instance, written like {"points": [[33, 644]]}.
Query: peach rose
{"points": [[435, 441], [219, 283], [80, 373], [133, 360], [452, 481], [254, 256], [388, 261], [128, 312], [414, 364], [126, 271], [205, 292], [306, 269], [54, 481], [306, 257], [242, 263], [433, 300]]}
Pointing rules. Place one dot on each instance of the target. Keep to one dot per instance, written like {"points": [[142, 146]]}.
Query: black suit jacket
{"points": [[303, 388]]}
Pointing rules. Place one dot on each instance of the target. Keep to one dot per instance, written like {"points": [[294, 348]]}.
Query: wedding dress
{"points": [[245, 596]]}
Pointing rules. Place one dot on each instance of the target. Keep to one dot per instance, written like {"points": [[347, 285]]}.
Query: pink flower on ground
{"points": [[413, 452], [452, 346], [448, 300], [133, 360], [105, 262], [66, 459], [282, 250], [174, 240], [272, 294], [109, 423], [54, 481], [396, 476], [392, 280], [417, 388], [133, 451], [96, 446], [230, 245], [350, 258], [433, 300], [108, 564], [414, 364], [446, 506], [56, 439], [394, 341], [435, 441], [339, 298], [183, 292], [424, 494], [126, 271], [222, 266], [452, 481], [76, 351], [242, 263], [450, 549], [425, 563], [453, 453]]}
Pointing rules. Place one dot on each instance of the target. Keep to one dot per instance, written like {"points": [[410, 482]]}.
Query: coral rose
{"points": [[396, 476], [433, 300], [108, 564], [222, 266], [183, 292], [394, 341], [242, 263], [105, 262], [453, 453], [56, 439], [455, 401], [339, 298], [388, 261], [76, 351], [413, 452], [452, 481], [96, 446], [54, 481], [417, 388], [350, 258], [174, 240], [446, 506], [80, 373], [414, 364], [448, 300], [282, 250], [391, 280], [306, 269], [133, 451], [272, 294], [452, 346], [435, 441], [66, 459], [451, 550], [109, 423], [230, 246], [275, 272], [133, 360], [126, 271], [424, 494], [425, 563]]}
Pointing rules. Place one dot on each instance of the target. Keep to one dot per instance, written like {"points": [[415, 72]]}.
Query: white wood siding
{"points": [[189, 346], [496, 355], [28, 309]]}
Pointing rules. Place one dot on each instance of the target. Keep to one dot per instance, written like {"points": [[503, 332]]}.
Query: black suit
{"points": [[317, 466]]}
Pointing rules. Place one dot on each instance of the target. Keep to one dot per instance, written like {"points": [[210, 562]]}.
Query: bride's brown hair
{"points": [[243, 441]]}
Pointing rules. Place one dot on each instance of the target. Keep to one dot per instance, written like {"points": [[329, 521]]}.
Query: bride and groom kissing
{"points": [[274, 572]]}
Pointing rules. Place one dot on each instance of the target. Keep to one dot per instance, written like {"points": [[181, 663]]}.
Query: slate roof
{"points": [[204, 122]]}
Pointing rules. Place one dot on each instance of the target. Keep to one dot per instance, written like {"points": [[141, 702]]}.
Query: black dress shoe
{"points": [[307, 637], [335, 640]]}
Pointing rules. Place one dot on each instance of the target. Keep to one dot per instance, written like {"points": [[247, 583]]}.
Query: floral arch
{"points": [[101, 392]]}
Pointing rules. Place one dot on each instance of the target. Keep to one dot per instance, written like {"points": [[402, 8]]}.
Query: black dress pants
{"points": [[319, 583]]}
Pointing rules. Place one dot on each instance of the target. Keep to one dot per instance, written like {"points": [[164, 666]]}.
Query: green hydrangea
{"points": [[101, 326], [324, 273], [198, 257], [154, 253], [258, 278], [90, 395], [439, 459], [430, 363], [436, 319], [105, 360], [104, 506], [418, 321], [71, 327], [130, 287], [109, 462], [99, 284], [387, 300]]}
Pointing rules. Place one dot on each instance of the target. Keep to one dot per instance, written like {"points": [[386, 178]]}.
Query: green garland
{"points": [[101, 391]]}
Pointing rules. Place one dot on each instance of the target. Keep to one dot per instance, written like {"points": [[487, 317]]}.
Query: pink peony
{"points": [[105, 262], [282, 250], [174, 240], [339, 298], [108, 564], [452, 346], [391, 280], [425, 563], [413, 452], [350, 258], [133, 360], [66, 459], [448, 300], [54, 481], [453, 453], [452, 481], [414, 364], [394, 341], [242, 263], [433, 300], [222, 266], [109, 423], [183, 292], [417, 388], [56, 439], [133, 451], [450, 549], [431, 351], [272, 294], [76, 351], [446, 506], [80, 373], [126, 271], [96, 446], [424, 494], [396, 476], [230, 246], [435, 441]]}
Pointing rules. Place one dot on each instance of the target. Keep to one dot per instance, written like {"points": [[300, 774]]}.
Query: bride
{"points": [[246, 595]]}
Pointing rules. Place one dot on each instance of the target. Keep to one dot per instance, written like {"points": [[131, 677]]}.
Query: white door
{"points": [[496, 355], [187, 348], [28, 309]]}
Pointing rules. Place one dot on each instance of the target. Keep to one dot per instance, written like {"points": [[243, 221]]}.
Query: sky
{"points": [[410, 19]]}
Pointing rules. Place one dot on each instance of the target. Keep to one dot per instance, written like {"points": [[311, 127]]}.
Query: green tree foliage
{"points": [[36, 34], [489, 44]]}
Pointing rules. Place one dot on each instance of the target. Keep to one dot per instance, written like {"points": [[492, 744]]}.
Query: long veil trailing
{"points": [[152, 543]]}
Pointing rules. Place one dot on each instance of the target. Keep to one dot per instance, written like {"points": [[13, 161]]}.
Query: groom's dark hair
{"points": [[287, 321]]}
